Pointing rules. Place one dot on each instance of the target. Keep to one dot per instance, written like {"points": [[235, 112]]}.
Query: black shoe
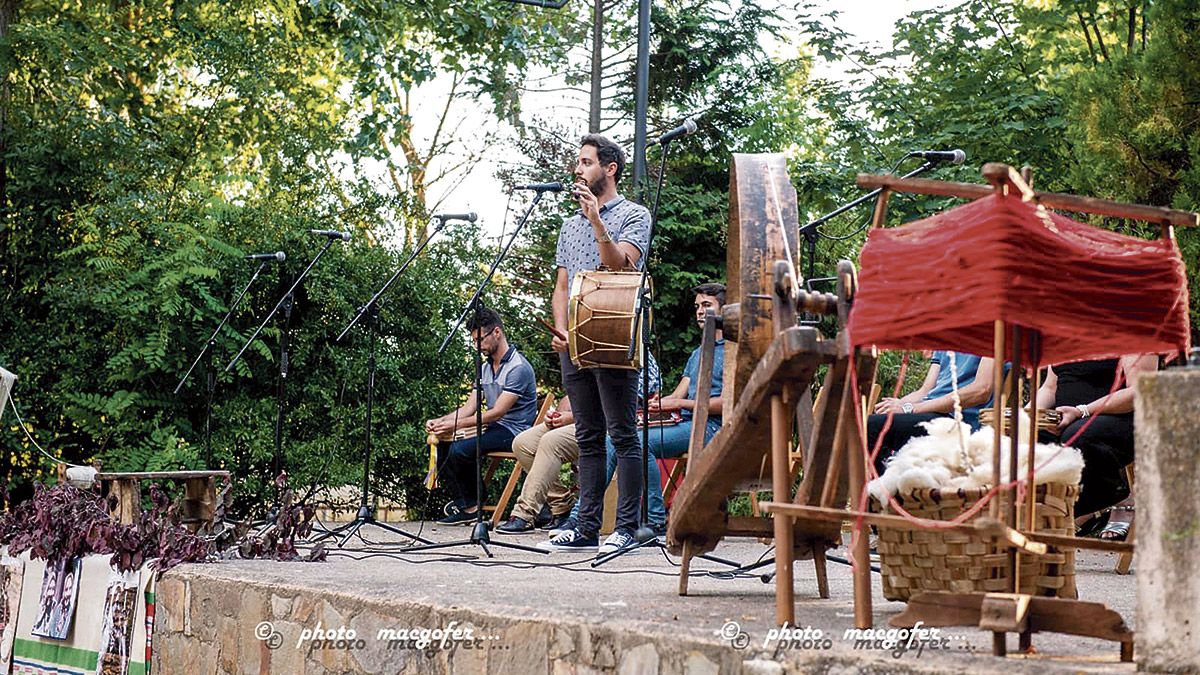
{"points": [[544, 516], [515, 525], [457, 516], [557, 522], [659, 529]]}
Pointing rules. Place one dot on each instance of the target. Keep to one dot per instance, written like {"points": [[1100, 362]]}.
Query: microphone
{"points": [[541, 187], [278, 255], [469, 217], [686, 129], [952, 156], [332, 234]]}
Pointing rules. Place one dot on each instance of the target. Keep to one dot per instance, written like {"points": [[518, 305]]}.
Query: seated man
{"points": [[510, 392], [671, 441], [543, 449], [933, 399]]}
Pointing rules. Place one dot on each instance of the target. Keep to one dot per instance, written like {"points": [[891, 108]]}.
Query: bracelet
{"points": [[606, 237], [1083, 411], [907, 408]]}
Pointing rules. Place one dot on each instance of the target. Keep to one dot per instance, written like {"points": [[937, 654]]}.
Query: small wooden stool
{"points": [[199, 493]]}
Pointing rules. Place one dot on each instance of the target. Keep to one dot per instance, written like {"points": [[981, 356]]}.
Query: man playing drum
{"points": [[612, 231]]}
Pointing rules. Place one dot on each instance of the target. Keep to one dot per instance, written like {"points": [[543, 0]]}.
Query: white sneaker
{"points": [[616, 541]]}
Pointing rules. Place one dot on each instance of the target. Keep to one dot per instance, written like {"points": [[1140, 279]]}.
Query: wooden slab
{"points": [[1057, 615], [764, 227]]}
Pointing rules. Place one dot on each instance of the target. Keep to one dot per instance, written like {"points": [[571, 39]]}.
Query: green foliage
{"points": [[150, 145]]}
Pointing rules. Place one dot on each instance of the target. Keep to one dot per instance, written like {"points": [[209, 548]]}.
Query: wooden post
{"points": [[997, 412], [685, 566], [1031, 496], [708, 347], [129, 500], [1014, 435], [781, 433], [860, 551], [199, 496]]}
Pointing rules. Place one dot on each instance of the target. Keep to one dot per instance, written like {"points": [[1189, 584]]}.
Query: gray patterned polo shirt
{"points": [[625, 221]]}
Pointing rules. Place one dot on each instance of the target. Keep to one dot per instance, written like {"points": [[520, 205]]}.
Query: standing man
{"points": [[612, 231], [510, 391]]}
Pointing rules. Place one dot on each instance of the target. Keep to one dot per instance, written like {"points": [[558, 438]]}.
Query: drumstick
{"points": [[551, 329]]}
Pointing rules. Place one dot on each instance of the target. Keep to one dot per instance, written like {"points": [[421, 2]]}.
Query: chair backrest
{"points": [[544, 409]]}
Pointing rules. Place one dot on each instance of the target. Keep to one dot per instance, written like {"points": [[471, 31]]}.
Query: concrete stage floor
{"points": [[555, 614]]}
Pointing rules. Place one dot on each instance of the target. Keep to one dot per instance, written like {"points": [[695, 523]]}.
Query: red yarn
{"points": [[941, 282]]}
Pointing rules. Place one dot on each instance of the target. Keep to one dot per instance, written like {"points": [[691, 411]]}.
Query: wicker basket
{"points": [[942, 560]]}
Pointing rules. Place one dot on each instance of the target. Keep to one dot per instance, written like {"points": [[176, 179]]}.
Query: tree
{"points": [[148, 147]]}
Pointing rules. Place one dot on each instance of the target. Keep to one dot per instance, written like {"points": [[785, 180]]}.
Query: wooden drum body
{"points": [[601, 319]]}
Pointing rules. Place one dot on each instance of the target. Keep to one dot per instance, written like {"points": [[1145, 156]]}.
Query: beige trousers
{"points": [[542, 452]]}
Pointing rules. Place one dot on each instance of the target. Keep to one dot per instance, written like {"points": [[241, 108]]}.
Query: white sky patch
{"points": [[871, 22]]}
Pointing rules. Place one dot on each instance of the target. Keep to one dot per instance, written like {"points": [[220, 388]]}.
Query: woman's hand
{"points": [[1070, 414]]}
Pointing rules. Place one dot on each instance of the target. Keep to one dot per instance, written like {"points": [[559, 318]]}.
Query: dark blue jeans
{"points": [[604, 401], [457, 462]]}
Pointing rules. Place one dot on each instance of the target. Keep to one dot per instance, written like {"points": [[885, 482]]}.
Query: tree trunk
{"points": [[597, 65], [7, 9]]}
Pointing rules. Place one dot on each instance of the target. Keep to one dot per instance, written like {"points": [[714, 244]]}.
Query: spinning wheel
{"points": [[770, 364]]}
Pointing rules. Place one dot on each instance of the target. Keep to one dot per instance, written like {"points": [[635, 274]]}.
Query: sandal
{"points": [[1116, 530], [1094, 525]]}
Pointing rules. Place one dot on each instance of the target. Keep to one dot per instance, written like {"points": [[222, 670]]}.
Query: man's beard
{"points": [[597, 186]]}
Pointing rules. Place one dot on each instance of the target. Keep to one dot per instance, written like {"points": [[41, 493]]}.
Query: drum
{"points": [[601, 313], [1047, 419]]}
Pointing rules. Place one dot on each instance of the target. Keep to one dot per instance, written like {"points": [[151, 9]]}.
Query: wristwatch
{"points": [[604, 237], [907, 408]]}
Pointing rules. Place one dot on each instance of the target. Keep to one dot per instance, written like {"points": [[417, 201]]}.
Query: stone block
{"points": [[1167, 442], [641, 659]]}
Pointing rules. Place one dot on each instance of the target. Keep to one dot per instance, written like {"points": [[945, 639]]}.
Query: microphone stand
{"points": [[210, 375], [277, 459], [328, 242], [811, 234], [479, 532], [641, 327], [366, 513]]}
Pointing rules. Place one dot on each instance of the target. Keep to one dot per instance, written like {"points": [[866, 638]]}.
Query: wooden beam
{"points": [[1056, 615], [1052, 200], [901, 523]]}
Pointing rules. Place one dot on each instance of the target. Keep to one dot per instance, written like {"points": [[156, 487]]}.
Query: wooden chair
{"points": [[496, 458]]}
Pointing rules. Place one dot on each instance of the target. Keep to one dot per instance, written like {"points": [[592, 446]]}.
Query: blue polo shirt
{"points": [[514, 375], [692, 371], [967, 366]]}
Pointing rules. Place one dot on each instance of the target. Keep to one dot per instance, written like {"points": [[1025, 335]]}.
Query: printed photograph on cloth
{"points": [[120, 615], [12, 572], [56, 608]]}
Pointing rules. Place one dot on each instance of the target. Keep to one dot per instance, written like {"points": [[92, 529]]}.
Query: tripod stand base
{"points": [[479, 537], [364, 517]]}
